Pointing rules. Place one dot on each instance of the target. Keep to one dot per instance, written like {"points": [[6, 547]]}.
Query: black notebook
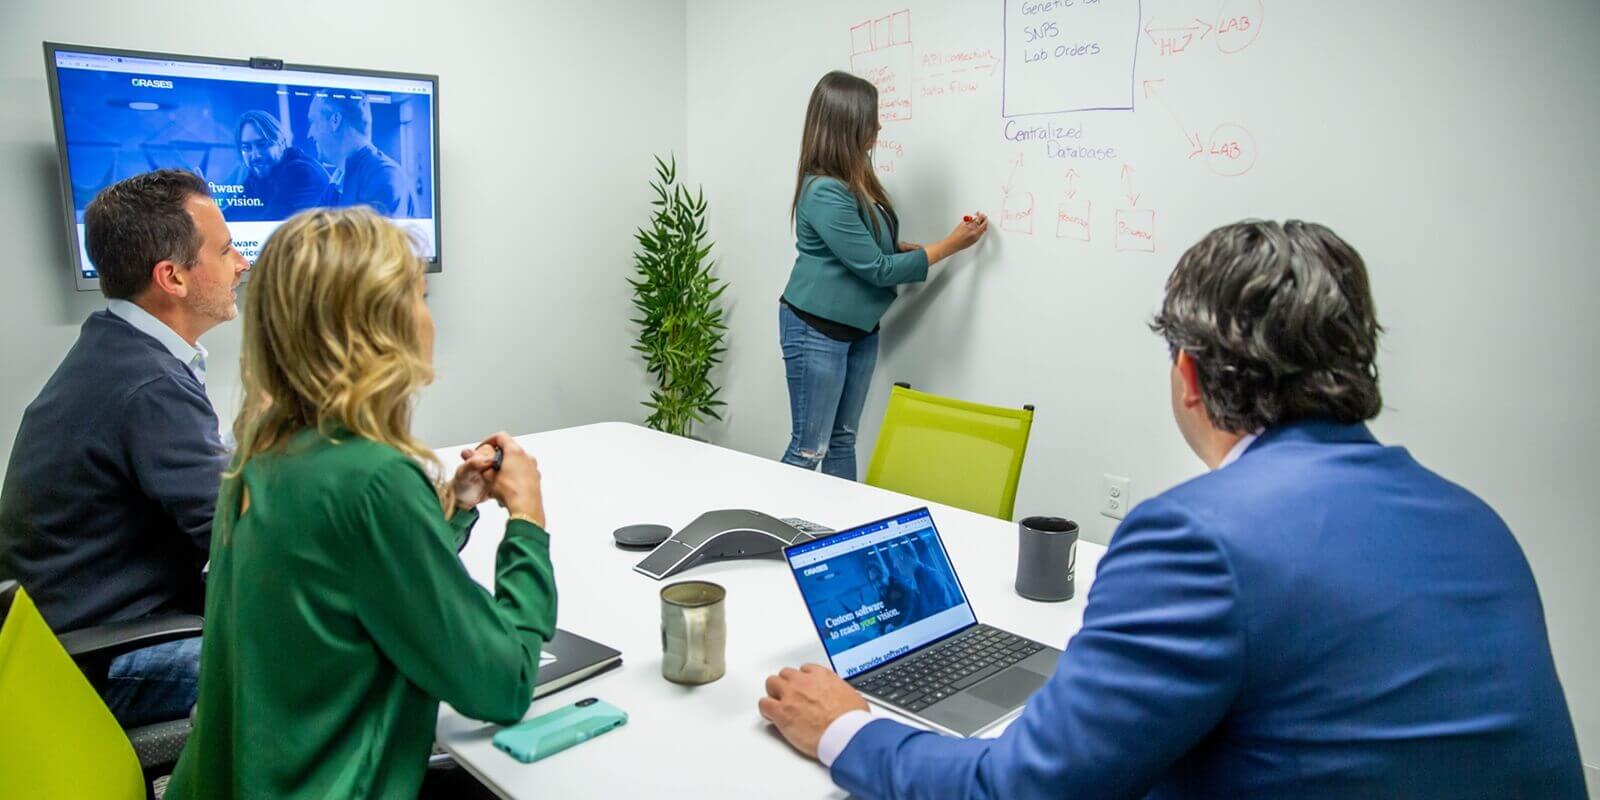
{"points": [[569, 659]]}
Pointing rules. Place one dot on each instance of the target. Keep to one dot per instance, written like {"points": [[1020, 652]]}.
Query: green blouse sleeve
{"points": [[477, 652], [461, 524]]}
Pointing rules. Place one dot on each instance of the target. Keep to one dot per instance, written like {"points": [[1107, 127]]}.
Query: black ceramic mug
{"points": [[1047, 554]]}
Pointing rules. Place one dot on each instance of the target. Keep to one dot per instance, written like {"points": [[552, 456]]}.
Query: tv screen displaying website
{"points": [[269, 141]]}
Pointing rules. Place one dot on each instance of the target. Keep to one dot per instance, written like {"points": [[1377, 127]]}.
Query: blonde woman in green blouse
{"points": [[338, 615]]}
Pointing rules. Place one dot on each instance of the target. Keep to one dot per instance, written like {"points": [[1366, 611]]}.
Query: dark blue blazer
{"points": [[1324, 618]]}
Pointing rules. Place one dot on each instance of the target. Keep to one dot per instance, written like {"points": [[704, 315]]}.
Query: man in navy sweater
{"points": [[105, 514], [1319, 616]]}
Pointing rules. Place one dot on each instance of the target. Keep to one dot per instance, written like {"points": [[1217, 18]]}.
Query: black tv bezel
{"points": [[69, 210]]}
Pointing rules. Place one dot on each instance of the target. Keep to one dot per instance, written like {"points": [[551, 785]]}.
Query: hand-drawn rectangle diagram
{"points": [[1069, 55], [1072, 219], [880, 51], [1016, 212], [1136, 230]]}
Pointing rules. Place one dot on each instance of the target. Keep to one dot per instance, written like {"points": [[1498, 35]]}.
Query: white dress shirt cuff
{"points": [[838, 735]]}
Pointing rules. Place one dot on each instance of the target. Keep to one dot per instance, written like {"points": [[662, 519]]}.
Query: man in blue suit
{"points": [[1318, 616]]}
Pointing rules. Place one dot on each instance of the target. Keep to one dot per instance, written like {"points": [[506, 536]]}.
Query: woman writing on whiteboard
{"points": [[848, 262]]}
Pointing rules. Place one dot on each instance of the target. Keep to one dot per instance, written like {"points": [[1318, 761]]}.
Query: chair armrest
{"points": [[102, 643]]}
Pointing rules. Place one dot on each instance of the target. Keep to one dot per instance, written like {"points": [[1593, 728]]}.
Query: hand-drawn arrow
{"points": [[1127, 178], [1012, 179], [1150, 30], [1072, 183], [989, 67], [1196, 144]]}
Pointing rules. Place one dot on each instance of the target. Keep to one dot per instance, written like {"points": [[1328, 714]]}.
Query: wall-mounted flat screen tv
{"points": [[270, 139]]}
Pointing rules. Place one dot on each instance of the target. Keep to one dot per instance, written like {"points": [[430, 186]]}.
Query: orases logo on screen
{"points": [[147, 83]]}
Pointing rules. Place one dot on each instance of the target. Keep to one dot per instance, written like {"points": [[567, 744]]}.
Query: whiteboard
{"points": [[1452, 144], [1089, 151]]}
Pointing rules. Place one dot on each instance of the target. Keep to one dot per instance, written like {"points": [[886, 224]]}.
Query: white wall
{"points": [[1452, 145], [550, 115]]}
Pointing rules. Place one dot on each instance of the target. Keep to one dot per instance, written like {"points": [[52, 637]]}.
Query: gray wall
{"points": [[1465, 175], [550, 115]]}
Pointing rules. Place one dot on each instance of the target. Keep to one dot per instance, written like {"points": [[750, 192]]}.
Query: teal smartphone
{"points": [[548, 734]]}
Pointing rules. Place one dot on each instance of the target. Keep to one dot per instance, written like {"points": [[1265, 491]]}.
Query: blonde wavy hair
{"points": [[331, 337]]}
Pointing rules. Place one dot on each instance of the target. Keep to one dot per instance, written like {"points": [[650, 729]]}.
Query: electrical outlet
{"points": [[1117, 496]]}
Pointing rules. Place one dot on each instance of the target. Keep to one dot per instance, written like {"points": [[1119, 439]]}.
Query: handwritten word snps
{"points": [[226, 195], [1051, 30], [858, 620]]}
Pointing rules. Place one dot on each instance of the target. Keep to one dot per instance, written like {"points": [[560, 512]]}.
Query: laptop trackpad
{"points": [[1009, 689], [979, 707]]}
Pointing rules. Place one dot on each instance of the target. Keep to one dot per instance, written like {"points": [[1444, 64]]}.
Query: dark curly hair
{"points": [[1280, 323]]}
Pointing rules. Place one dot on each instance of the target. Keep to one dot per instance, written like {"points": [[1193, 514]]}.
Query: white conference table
{"points": [[704, 741]]}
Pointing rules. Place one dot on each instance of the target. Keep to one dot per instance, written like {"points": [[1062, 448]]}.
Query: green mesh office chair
{"points": [[951, 451], [57, 738]]}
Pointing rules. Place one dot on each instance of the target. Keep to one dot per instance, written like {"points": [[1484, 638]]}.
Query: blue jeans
{"points": [[155, 684], [827, 388]]}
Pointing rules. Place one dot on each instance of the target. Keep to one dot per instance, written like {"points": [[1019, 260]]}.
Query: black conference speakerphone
{"points": [[722, 535]]}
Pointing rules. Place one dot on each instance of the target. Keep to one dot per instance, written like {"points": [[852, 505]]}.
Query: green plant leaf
{"points": [[678, 319]]}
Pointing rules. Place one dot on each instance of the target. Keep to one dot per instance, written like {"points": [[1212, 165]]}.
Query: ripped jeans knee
{"points": [[806, 457]]}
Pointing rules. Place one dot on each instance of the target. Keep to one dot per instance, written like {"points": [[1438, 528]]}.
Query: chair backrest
{"points": [[57, 738], [951, 451]]}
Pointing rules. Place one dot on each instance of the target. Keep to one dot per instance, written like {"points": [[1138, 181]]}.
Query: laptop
{"points": [[897, 625]]}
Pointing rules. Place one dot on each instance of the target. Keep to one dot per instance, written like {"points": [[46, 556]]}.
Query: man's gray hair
{"points": [[1280, 323]]}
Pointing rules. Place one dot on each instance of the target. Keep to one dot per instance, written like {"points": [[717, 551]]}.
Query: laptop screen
{"points": [[879, 591]]}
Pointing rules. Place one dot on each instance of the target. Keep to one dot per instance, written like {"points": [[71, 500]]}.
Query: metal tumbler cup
{"points": [[694, 632]]}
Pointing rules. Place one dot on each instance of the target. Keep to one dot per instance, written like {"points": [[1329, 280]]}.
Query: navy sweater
{"points": [[106, 509]]}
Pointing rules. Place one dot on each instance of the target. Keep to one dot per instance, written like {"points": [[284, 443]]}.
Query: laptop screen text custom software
{"points": [[879, 591]]}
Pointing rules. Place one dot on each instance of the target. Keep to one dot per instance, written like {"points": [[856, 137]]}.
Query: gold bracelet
{"points": [[528, 519]]}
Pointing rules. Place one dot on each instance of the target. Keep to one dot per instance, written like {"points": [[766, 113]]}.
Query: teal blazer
{"points": [[842, 271]]}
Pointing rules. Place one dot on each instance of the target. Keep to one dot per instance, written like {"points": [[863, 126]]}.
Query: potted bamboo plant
{"points": [[679, 319]]}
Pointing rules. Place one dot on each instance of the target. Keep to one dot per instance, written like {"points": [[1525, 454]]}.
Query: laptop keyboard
{"points": [[931, 675]]}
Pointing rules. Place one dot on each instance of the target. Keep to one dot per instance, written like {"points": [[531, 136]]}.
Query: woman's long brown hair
{"points": [[841, 122]]}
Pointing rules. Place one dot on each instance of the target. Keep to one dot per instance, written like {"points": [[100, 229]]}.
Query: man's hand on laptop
{"points": [[803, 702]]}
